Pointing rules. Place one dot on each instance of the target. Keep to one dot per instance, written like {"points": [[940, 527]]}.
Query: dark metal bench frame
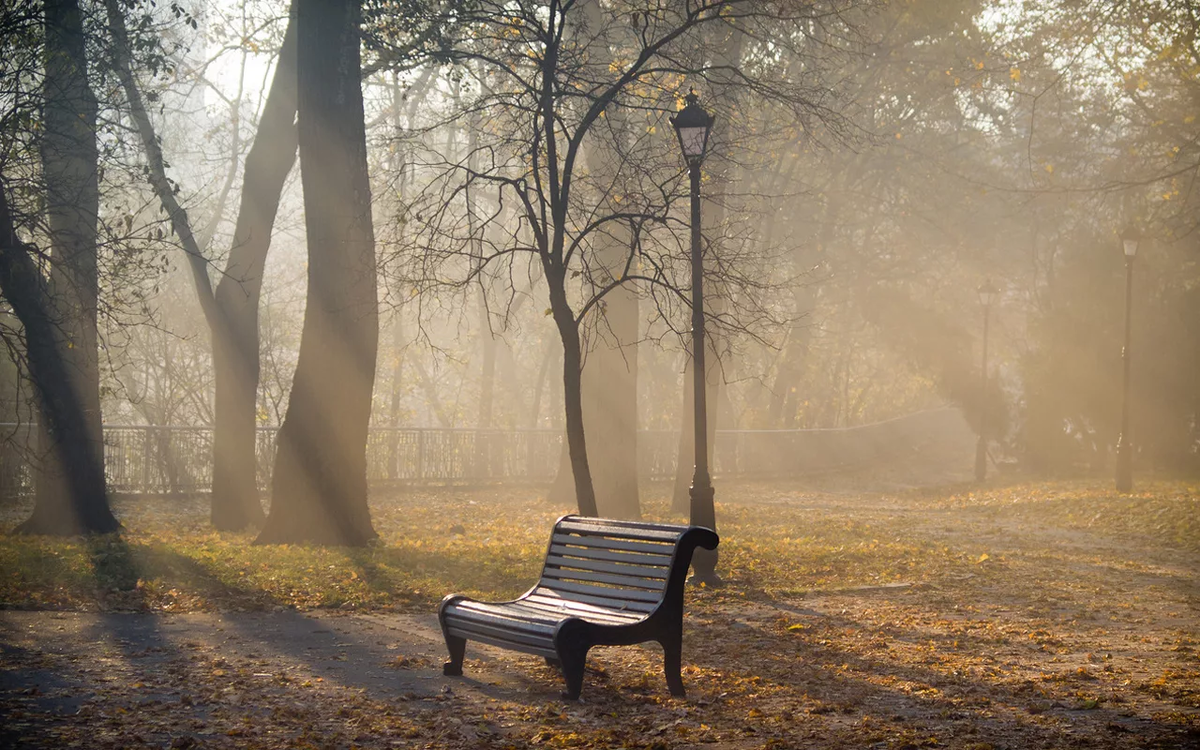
{"points": [[607, 598]]}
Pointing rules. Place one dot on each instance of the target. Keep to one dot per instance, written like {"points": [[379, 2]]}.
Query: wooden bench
{"points": [[604, 583]]}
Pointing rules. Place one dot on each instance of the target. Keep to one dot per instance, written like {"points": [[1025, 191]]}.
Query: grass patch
{"points": [[777, 541]]}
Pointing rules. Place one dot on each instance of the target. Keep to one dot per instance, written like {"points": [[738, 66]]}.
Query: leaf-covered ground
{"points": [[1030, 615]]}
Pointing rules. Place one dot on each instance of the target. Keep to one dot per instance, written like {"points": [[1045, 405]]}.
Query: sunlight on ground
{"points": [[776, 540], [1047, 614]]}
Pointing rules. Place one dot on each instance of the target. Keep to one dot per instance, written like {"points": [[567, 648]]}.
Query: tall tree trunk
{"points": [[610, 368], [233, 319], [235, 338], [60, 322], [319, 484], [568, 330]]}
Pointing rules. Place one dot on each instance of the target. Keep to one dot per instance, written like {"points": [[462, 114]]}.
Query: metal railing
{"points": [[175, 459]]}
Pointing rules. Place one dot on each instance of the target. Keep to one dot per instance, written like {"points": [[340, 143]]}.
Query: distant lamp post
{"points": [[988, 294], [1129, 241], [693, 125]]}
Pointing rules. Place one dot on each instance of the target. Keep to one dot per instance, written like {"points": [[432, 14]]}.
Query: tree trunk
{"points": [[233, 318], [568, 330], [319, 484], [235, 338], [60, 322], [609, 378]]}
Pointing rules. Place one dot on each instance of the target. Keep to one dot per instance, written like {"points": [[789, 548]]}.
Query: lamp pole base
{"points": [[704, 561], [980, 460], [1124, 465]]}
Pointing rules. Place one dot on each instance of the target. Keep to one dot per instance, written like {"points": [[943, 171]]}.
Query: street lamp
{"points": [[1129, 241], [988, 294], [693, 125]]}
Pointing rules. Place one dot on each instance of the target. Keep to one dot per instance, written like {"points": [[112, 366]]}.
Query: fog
{"points": [[516, 259]]}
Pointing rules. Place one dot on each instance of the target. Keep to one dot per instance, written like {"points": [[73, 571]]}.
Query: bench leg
{"points": [[571, 661], [457, 648], [672, 659]]}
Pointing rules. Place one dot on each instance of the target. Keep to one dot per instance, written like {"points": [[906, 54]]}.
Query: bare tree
{"points": [[577, 141]]}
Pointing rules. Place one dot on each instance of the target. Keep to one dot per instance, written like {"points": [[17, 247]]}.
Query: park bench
{"points": [[604, 583]]}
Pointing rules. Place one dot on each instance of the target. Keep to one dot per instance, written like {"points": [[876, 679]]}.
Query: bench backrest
{"points": [[620, 565]]}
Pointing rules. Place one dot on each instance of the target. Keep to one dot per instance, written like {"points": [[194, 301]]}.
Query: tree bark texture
{"points": [[319, 484], [568, 331], [235, 338], [60, 320]]}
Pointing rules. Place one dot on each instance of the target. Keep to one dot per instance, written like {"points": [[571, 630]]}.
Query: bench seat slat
{"points": [[598, 566], [503, 641], [617, 596], [620, 581], [618, 599], [587, 612], [469, 609], [472, 630], [596, 553], [650, 548], [643, 608], [617, 530]]}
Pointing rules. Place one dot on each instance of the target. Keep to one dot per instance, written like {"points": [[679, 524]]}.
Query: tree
{"points": [[231, 311], [235, 502], [563, 84], [59, 314], [319, 484]]}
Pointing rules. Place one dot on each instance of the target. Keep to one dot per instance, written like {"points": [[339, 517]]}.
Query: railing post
{"points": [[146, 458], [420, 453]]}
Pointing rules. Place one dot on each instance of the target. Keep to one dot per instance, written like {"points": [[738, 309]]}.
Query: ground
{"points": [[857, 614]]}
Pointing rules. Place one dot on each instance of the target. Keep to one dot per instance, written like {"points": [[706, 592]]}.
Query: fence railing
{"points": [[175, 459]]}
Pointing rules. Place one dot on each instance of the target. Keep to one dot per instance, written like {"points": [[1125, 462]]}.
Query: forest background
{"points": [[873, 164]]}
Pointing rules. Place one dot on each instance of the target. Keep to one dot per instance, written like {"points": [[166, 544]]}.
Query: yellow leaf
{"points": [[1049, 168], [1015, 74], [794, 628], [983, 557]]}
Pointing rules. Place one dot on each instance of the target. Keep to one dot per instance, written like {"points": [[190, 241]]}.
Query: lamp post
{"points": [[1129, 241], [988, 294], [693, 125]]}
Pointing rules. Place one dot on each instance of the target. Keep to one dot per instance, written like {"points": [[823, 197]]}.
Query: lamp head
{"points": [[692, 125], [1129, 241], [988, 293]]}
